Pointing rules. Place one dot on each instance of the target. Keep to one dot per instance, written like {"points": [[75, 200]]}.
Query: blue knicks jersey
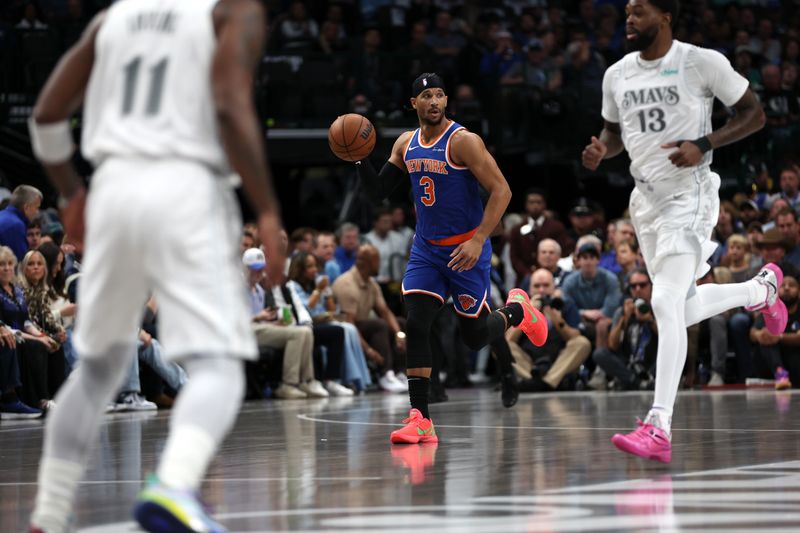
{"points": [[447, 196]]}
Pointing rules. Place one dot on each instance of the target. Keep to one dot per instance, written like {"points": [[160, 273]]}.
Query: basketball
{"points": [[351, 137]]}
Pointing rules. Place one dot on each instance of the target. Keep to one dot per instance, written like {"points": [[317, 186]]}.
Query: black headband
{"points": [[426, 81]]}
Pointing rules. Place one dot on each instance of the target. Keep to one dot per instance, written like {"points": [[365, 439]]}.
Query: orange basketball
{"points": [[351, 137]]}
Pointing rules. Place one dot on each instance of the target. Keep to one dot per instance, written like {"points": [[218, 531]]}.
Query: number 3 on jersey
{"points": [[429, 188]]}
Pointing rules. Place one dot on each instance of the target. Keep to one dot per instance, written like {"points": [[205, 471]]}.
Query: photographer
{"points": [[631, 354], [542, 369]]}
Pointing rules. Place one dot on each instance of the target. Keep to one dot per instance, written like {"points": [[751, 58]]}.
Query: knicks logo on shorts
{"points": [[466, 301]]}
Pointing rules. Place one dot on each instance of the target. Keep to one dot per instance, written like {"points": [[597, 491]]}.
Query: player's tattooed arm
{"points": [[749, 119], [608, 145], [379, 186]]}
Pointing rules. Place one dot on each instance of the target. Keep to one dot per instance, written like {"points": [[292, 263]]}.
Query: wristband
{"points": [[702, 143], [52, 143]]}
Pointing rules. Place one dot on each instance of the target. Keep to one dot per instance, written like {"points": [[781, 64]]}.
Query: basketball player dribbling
{"points": [[451, 253], [168, 111], [657, 103]]}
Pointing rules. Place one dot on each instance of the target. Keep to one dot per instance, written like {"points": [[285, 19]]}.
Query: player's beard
{"points": [[432, 122], [643, 40], [789, 301]]}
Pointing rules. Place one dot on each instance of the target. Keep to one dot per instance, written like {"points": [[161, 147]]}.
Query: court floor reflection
{"points": [[546, 464]]}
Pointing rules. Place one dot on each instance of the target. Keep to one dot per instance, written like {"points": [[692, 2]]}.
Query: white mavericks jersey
{"points": [[666, 100], [149, 93]]}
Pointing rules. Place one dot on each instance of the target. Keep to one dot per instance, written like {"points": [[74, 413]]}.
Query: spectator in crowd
{"points": [[525, 237], [391, 246], [446, 45], [547, 257], [324, 251], [786, 222], [737, 258], [248, 241], [298, 31], [764, 42], [532, 70], [596, 293], [34, 279], [776, 351], [417, 56], [581, 218], [317, 297], [34, 234], [302, 240], [32, 20], [11, 407], [61, 308], [130, 396], [542, 369], [274, 328], [790, 186], [748, 212], [773, 248], [496, 64], [780, 106], [743, 64], [627, 252], [630, 356], [399, 225], [33, 354], [349, 241], [14, 219], [331, 40], [382, 338], [374, 73], [623, 231]]}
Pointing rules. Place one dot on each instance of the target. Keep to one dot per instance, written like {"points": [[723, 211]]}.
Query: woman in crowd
{"points": [[62, 309], [318, 299], [33, 353]]}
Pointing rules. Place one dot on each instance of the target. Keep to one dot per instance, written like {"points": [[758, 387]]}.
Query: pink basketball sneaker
{"points": [[774, 310], [646, 441]]}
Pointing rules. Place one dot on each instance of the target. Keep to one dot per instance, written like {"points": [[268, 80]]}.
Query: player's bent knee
{"points": [[475, 338]]}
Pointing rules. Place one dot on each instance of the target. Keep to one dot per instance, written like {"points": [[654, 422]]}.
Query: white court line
{"points": [[210, 480], [556, 428]]}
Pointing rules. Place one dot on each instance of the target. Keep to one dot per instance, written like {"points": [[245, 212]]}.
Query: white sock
{"points": [[712, 299], [58, 480], [661, 420], [185, 459]]}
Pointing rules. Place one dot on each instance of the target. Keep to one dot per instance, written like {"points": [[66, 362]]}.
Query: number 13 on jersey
{"points": [[429, 191]]}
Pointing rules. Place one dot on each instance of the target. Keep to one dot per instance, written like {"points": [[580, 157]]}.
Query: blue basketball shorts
{"points": [[428, 273]]}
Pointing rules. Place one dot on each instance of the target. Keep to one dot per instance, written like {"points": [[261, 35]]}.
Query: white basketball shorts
{"points": [[675, 217], [170, 229]]}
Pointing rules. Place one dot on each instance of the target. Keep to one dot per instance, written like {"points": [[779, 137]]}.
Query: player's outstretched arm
{"points": [[467, 149], [241, 33], [378, 186], [608, 145], [51, 135]]}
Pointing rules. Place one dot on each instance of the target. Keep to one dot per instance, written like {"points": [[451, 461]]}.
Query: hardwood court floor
{"points": [[544, 465]]}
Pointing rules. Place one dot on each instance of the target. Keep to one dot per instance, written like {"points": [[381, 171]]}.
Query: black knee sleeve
{"points": [[422, 311], [474, 331]]}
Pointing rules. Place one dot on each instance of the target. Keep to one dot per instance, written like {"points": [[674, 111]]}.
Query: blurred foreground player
{"points": [[657, 104], [168, 111], [451, 252]]}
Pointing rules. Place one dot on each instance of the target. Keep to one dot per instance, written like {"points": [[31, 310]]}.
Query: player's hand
{"points": [[466, 255], [72, 215], [688, 154], [594, 153], [768, 339], [269, 228]]}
